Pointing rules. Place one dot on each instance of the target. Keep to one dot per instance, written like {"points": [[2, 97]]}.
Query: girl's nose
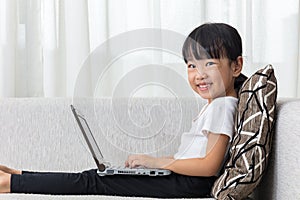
{"points": [[200, 74]]}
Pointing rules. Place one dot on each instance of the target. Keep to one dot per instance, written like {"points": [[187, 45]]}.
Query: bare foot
{"points": [[9, 170], [4, 182]]}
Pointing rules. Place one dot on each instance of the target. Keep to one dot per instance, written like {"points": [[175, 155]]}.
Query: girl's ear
{"points": [[237, 66]]}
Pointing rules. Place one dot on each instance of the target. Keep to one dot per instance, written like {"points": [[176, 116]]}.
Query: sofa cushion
{"points": [[251, 145]]}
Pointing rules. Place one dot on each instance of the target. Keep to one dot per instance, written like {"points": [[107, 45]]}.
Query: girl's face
{"points": [[213, 78]]}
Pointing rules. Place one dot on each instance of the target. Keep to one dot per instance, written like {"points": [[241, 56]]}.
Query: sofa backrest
{"points": [[42, 134]]}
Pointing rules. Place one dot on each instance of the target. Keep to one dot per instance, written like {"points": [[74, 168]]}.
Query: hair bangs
{"points": [[193, 49]]}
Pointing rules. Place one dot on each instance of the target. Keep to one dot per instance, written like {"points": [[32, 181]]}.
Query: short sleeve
{"points": [[219, 117]]}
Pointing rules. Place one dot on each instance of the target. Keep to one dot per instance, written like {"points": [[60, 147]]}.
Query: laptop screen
{"points": [[89, 138]]}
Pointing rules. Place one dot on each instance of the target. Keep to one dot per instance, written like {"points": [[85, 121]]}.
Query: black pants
{"points": [[88, 182]]}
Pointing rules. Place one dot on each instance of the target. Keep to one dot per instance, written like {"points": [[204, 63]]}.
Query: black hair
{"points": [[213, 40]]}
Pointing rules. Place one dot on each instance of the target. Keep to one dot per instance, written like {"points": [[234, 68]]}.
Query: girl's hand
{"points": [[147, 161], [138, 160]]}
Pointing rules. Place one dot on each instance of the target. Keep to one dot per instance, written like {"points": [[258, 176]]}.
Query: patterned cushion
{"points": [[251, 145]]}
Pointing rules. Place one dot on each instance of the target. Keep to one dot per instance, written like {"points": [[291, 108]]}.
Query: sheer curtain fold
{"points": [[65, 44], [33, 47], [298, 54], [44, 43], [53, 45], [8, 50]]}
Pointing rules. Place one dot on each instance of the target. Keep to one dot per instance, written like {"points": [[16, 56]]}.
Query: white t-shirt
{"points": [[216, 117]]}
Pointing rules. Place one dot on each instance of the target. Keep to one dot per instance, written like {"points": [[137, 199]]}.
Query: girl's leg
{"points": [[9, 170], [89, 182], [4, 182], [52, 182], [171, 186]]}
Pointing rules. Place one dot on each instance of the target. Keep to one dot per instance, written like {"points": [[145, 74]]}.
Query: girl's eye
{"points": [[191, 66], [208, 64]]}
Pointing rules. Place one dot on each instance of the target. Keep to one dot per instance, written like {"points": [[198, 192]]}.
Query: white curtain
{"points": [[45, 43]]}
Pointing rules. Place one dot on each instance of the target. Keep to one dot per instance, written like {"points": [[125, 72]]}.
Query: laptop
{"points": [[104, 168]]}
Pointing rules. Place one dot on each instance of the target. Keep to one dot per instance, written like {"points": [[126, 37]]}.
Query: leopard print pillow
{"points": [[251, 145]]}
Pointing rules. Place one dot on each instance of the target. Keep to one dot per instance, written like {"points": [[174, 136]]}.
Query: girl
{"points": [[213, 54]]}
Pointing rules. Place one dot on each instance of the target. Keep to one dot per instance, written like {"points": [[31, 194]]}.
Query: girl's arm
{"points": [[207, 166]]}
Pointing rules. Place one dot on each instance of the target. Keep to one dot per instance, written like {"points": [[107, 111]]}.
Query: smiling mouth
{"points": [[203, 87]]}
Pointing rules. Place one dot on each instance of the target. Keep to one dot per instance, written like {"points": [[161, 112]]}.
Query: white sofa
{"points": [[41, 134]]}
